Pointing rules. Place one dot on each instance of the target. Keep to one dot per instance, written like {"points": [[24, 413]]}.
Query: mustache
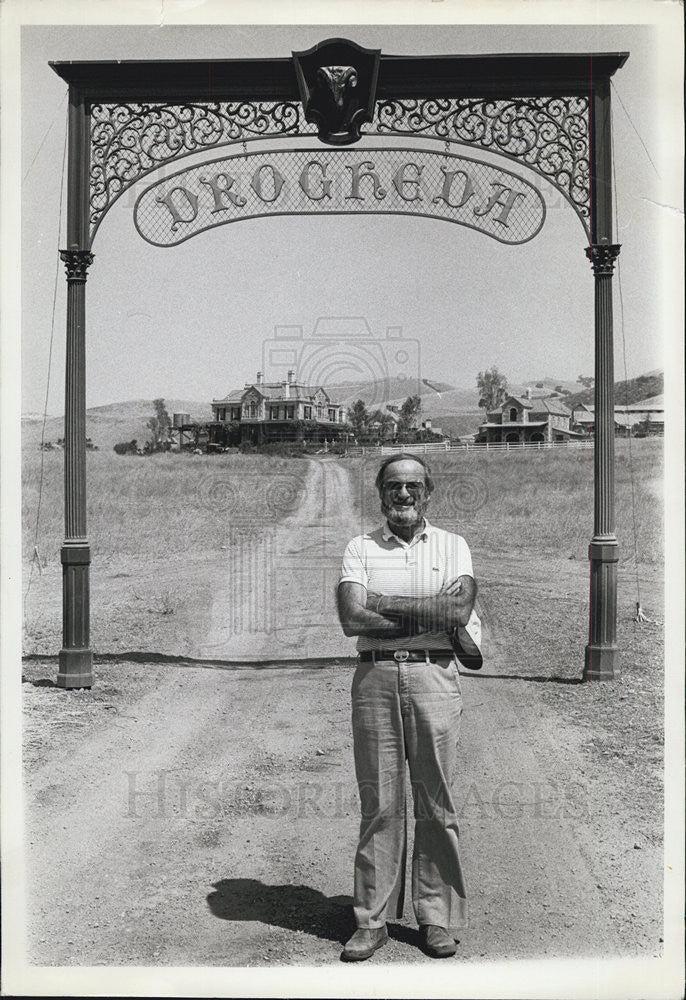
{"points": [[412, 505]]}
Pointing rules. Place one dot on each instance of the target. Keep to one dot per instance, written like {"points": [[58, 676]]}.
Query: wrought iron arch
{"points": [[548, 112], [549, 135]]}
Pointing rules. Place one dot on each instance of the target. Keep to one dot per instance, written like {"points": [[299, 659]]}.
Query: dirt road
{"points": [[181, 815], [275, 598]]}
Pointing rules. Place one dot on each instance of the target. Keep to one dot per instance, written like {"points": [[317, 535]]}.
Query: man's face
{"points": [[404, 496]]}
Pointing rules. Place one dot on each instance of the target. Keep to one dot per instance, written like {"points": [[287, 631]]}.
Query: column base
{"points": [[600, 663], [75, 668]]}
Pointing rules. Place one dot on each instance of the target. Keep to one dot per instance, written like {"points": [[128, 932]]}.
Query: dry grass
{"points": [[537, 501], [161, 504], [505, 502]]}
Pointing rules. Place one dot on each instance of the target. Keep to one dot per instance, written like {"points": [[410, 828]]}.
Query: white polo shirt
{"points": [[385, 564]]}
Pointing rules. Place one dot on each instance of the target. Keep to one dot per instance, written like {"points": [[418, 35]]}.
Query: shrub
{"points": [[126, 447]]}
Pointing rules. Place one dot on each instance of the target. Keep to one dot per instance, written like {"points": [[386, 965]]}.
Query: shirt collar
{"points": [[389, 535]]}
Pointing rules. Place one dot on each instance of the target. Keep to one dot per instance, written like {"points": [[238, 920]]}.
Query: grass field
{"points": [[164, 504], [537, 501], [506, 502], [161, 528]]}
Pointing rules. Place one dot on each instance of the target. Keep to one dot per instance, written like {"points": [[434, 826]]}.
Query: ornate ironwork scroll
{"points": [[550, 134], [130, 140]]}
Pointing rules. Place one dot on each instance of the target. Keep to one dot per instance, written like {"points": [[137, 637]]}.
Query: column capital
{"points": [[602, 257], [77, 263]]}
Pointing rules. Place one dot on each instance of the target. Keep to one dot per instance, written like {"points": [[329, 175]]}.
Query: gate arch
{"points": [[549, 113]]}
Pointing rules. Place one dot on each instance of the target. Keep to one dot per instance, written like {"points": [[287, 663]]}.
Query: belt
{"points": [[403, 655]]}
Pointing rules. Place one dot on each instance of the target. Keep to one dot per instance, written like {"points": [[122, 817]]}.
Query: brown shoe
{"points": [[437, 941], [364, 942]]}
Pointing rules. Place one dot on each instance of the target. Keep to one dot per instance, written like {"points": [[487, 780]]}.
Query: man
{"points": [[407, 592]]}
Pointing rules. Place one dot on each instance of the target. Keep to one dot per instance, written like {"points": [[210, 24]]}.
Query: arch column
{"points": [[601, 658], [76, 657], [603, 551]]}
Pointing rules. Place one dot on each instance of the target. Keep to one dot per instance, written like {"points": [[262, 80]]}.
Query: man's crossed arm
{"points": [[364, 612], [357, 619]]}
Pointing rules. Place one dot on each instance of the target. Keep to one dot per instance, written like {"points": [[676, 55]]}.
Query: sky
{"points": [[192, 322]]}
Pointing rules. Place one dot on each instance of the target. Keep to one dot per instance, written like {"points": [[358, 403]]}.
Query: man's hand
{"points": [[372, 601]]}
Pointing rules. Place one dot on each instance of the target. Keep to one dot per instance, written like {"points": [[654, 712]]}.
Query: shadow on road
{"points": [[534, 678], [295, 907]]}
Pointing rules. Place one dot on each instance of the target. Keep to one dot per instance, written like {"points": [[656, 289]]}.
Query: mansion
{"points": [[276, 411], [522, 419]]}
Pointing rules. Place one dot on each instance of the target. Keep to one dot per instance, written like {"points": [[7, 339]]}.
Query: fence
{"points": [[506, 446]]}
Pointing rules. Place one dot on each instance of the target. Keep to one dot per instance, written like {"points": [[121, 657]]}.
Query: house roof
{"points": [[551, 406], [655, 404], [521, 400], [277, 391], [631, 419], [234, 396]]}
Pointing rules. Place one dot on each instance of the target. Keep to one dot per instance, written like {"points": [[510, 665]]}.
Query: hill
{"points": [[543, 386], [393, 390], [633, 390], [105, 425]]}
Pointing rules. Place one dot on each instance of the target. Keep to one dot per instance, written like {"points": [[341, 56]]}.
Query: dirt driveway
{"points": [[190, 815]]}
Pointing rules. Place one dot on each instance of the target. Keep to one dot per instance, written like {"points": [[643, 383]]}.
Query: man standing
{"points": [[407, 591]]}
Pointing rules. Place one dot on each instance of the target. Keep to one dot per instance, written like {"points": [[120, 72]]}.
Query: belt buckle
{"points": [[401, 655]]}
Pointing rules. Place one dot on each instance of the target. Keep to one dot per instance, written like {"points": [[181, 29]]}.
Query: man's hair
{"points": [[404, 457]]}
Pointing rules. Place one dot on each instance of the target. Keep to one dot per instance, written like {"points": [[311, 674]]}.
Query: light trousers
{"points": [[407, 712]]}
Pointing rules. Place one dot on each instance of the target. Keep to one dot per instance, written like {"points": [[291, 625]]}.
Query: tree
{"points": [[409, 414], [385, 422], [586, 381], [492, 386], [159, 425], [358, 417]]}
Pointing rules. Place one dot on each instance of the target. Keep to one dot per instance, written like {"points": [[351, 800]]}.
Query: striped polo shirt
{"points": [[385, 564]]}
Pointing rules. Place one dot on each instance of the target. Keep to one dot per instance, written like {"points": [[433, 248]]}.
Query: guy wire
{"points": [[47, 387], [626, 377]]}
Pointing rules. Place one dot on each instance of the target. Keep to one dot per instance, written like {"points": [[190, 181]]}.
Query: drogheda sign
{"points": [[433, 184]]}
